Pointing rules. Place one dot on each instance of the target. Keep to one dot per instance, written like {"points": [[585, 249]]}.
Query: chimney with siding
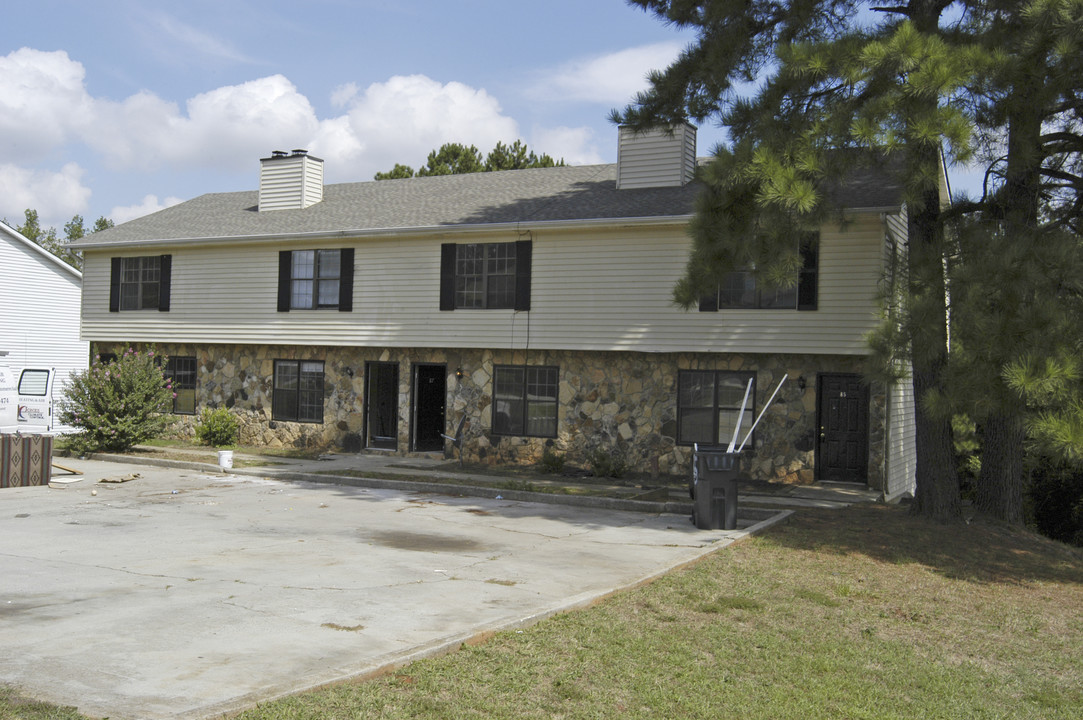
{"points": [[656, 158], [290, 181]]}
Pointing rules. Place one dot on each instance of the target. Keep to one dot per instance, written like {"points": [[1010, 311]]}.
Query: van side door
{"points": [[36, 400]]}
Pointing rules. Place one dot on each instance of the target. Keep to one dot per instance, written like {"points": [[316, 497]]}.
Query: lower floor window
{"points": [[525, 400], [709, 406], [298, 391], [181, 372]]}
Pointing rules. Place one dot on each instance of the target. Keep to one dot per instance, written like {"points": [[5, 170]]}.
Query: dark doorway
{"points": [[382, 405], [842, 452], [430, 396]]}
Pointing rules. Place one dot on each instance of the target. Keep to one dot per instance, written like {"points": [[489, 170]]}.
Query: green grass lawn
{"points": [[858, 613]]}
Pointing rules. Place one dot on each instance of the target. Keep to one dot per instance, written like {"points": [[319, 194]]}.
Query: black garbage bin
{"points": [[714, 488]]}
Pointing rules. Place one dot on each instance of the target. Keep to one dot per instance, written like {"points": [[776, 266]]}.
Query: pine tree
{"points": [[1017, 286], [837, 88], [902, 88]]}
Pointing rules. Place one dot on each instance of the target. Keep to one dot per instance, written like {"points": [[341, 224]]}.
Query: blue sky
{"points": [[119, 107], [123, 107]]}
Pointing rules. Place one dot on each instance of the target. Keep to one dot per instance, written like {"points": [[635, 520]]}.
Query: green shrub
{"points": [[217, 427], [607, 463], [551, 462], [118, 404]]}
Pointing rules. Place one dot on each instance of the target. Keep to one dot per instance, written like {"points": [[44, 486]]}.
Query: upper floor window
{"points": [[741, 290], [313, 279], [485, 276], [298, 391], [140, 283], [709, 406], [525, 400], [181, 372]]}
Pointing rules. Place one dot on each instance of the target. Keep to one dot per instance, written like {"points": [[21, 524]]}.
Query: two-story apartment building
{"points": [[537, 304]]}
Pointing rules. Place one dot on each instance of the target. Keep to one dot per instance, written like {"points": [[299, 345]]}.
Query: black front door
{"points": [[430, 394], [842, 452], [382, 405]]}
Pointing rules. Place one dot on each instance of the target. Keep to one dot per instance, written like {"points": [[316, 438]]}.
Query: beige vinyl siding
{"points": [[591, 290], [654, 158], [290, 182], [901, 440]]}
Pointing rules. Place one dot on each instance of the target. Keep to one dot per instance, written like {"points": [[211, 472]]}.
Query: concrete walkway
{"points": [[151, 591]]}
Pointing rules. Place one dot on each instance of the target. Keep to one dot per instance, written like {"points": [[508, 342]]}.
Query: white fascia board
{"points": [[438, 230]]}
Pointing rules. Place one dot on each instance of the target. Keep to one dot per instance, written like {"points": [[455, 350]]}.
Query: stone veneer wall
{"points": [[621, 402]]}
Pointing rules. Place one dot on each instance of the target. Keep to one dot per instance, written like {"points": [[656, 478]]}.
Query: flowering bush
{"points": [[118, 404]]}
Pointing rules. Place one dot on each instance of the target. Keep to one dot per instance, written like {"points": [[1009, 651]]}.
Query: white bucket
{"points": [[225, 459]]}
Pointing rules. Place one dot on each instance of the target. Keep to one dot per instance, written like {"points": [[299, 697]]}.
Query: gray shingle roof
{"points": [[585, 192]]}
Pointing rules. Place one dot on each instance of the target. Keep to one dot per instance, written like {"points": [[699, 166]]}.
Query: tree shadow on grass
{"points": [[980, 550]]}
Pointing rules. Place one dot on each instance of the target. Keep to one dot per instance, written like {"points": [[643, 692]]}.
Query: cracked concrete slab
{"points": [[179, 594]]}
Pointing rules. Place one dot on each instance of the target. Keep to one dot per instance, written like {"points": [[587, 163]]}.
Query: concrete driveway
{"points": [[182, 594]]}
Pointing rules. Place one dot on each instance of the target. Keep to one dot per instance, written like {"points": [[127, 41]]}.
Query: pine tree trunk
{"points": [[937, 482], [1000, 484]]}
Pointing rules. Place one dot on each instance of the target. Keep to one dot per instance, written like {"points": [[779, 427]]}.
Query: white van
{"points": [[27, 404]]}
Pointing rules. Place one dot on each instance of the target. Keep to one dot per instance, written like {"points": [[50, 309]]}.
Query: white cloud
{"points": [[573, 145], [227, 128], [45, 110], [43, 102], [611, 79], [405, 118], [343, 95], [150, 204], [57, 196]]}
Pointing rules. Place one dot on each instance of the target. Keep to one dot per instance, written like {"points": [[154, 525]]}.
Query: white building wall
{"points": [[40, 297]]}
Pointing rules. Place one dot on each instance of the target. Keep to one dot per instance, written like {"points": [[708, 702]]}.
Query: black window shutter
{"points": [[345, 280], [165, 278], [285, 266], [114, 285], [522, 274], [709, 303], [447, 276], [808, 280]]}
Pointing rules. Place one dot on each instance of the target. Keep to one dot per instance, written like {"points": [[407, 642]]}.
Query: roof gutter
{"points": [[361, 234]]}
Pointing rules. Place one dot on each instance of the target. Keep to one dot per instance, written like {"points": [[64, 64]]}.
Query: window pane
{"points": [[139, 279], [779, 298], [285, 404], [696, 389], [329, 293], [330, 264], [731, 389], [301, 298], [149, 299], [696, 425], [185, 402], [34, 382], [485, 275], [286, 375], [727, 421], [738, 290], [542, 391], [310, 403], [303, 262], [500, 292], [129, 297], [508, 405]]}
